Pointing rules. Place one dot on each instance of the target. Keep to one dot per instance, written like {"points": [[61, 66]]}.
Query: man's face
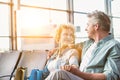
{"points": [[90, 28]]}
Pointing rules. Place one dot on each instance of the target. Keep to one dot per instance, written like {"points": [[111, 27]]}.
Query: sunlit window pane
{"points": [[115, 5], [4, 44], [4, 0], [88, 5], [116, 27], [58, 17], [80, 20], [116, 8], [35, 43], [57, 4], [4, 20], [31, 21], [42, 3], [32, 24]]}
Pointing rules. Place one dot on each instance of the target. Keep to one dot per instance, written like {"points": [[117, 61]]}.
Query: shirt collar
{"points": [[104, 40]]}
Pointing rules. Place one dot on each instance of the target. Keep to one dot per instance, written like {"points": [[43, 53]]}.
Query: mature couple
{"points": [[100, 59]]}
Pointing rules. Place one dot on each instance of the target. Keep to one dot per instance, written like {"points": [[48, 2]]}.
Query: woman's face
{"points": [[66, 37]]}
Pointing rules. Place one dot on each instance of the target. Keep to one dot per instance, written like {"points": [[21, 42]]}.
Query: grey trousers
{"points": [[62, 75]]}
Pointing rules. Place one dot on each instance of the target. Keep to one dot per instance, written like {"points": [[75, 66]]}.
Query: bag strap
{"points": [[16, 65]]}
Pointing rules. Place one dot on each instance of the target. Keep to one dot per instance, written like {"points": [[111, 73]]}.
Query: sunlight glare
{"points": [[32, 21]]}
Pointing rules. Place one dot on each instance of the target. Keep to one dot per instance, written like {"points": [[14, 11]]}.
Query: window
{"points": [[81, 8], [88, 5], [56, 4], [30, 24], [4, 20], [4, 25], [115, 8], [35, 23], [115, 4], [4, 0]]}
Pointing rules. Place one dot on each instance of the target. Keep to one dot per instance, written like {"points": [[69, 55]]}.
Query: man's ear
{"points": [[97, 27]]}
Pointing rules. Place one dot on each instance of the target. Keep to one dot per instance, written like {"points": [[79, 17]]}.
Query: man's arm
{"points": [[88, 76], [84, 75]]}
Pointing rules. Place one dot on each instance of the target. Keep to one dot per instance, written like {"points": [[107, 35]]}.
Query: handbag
{"points": [[21, 73]]}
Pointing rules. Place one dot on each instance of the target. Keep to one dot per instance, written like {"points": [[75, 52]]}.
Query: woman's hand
{"points": [[70, 68], [66, 67]]}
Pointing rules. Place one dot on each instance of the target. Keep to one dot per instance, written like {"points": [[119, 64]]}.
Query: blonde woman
{"points": [[64, 55]]}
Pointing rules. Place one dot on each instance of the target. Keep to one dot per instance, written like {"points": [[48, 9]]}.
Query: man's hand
{"points": [[51, 52]]}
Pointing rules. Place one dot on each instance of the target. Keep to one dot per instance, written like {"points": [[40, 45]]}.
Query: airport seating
{"points": [[35, 59], [7, 63], [29, 59]]}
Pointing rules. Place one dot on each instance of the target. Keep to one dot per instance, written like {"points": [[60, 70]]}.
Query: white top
{"points": [[87, 57], [63, 60]]}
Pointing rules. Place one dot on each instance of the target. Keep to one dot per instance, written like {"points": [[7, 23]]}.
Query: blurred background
{"points": [[30, 24]]}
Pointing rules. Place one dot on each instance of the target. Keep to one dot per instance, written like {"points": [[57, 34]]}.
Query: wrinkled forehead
{"points": [[92, 20]]}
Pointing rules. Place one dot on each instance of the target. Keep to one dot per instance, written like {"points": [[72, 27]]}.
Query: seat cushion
{"points": [[7, 62], [33, 60]]}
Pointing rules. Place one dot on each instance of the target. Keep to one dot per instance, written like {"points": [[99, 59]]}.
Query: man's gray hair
{"points": [[101, 18]]}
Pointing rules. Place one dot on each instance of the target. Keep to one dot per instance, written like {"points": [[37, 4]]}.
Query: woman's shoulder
{"points": [[72, 52]]}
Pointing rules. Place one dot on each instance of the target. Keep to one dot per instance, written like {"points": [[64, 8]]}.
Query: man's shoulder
{"points": [[113, 42]]}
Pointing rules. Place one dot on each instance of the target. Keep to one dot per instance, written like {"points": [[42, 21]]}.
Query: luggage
{"points": [[36, 74], [21, 74]]}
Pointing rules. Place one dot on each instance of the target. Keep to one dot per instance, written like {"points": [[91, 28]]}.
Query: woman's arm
{"points": [[73, 58]]}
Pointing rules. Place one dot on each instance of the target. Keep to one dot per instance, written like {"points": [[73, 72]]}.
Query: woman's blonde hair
{"points": [[60, 28]]}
